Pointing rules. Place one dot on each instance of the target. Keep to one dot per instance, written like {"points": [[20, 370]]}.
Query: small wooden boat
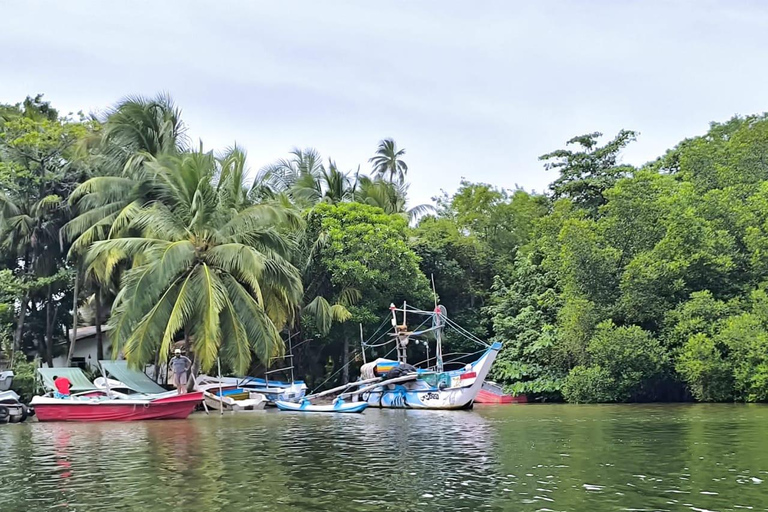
{"points": [[492, 393], [251, 402], [338, 405]]}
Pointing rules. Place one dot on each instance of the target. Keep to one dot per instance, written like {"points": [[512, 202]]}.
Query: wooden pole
{"points": [[221, 395], [362, 343]]}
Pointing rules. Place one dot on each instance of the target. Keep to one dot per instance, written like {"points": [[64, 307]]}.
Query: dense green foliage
{"points": [[651, 290], [620, 284]]}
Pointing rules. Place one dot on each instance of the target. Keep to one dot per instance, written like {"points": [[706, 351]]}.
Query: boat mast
{"points": [[401, 336], [438, 331], [439, 347]]}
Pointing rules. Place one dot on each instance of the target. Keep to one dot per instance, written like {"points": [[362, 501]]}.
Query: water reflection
{"points": [[496, 458]]}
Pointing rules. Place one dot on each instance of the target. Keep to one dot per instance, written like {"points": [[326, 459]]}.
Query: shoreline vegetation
{"points": [[619, 284]]}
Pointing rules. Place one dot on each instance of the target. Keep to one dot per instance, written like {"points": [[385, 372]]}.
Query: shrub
{"points": [[708, 374], [23, 377], [589, 384]]}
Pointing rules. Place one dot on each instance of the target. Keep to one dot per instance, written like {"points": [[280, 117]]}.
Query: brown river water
{"points": [[496, 458]]}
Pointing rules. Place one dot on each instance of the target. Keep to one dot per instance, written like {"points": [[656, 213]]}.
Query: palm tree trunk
{"points": [[73, 338], [97, 317], [20, 323], [49, 319], [195, 363]]}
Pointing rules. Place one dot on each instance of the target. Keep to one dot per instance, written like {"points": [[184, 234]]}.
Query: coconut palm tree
{"points": [[216, 273], [390, 197], [29, 232], [283, 175], [305, 180], [138, 129], [135, 131], [388, 160]]}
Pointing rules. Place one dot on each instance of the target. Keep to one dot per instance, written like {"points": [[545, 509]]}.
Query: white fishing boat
{"points": [[394, 384]]}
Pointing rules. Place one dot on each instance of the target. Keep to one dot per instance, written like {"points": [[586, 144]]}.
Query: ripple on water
{"points": [[494, 458]]}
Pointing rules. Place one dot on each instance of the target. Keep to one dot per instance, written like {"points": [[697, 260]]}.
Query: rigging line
{"points": [[367, 345], [458, 354], [462, 355], [385, 333], [340, 369], [383, 323], [466, 333], [450, 322]]}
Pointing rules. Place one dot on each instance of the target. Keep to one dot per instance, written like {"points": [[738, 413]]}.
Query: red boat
{"points": [[492, 393], [97, 406]]}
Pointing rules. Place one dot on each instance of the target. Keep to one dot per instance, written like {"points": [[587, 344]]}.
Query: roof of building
{"points": [[86, 331]]}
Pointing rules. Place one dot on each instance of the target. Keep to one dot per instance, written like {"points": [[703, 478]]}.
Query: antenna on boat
{"points": [[362, 343], [434, 293]]}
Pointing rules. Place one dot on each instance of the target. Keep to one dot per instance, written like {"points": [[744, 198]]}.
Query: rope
{"points": [[367, 345], [340, 369], [461, 330]]}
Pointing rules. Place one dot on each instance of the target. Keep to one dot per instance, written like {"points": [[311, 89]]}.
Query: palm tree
{"points": [[326, 185], [215, 273], [390, 197], [283, 175], [388, 160], [304, 180], [29, 232], [136, 130]]}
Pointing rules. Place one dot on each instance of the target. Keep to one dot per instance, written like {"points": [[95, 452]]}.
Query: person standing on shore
{"points": [[180, 365]]}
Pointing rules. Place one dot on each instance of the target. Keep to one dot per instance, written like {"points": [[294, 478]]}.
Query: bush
{"points": [[589, 384], [708, 375], [23, 377], [626, 364], [746, 337]]}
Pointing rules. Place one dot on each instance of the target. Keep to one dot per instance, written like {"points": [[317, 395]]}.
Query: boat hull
{"points": [[252, 402], [345, 407], [68, 409], [460, 393]]}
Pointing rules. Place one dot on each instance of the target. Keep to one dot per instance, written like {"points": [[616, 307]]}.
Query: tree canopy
{"points": [[620, 283]]}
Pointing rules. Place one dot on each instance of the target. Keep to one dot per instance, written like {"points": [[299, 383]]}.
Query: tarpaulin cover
{"points": [[133, 379], [75, 375]]}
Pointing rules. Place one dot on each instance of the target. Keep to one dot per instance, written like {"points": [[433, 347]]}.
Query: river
{"points": [[496, 458]]}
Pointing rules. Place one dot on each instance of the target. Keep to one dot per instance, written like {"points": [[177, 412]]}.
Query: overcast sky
{"points": [[474, 89]]}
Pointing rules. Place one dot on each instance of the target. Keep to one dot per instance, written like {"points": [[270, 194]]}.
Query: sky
{"points": [[471, 89]]}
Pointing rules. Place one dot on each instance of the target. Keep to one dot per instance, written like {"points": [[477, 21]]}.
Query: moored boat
{"points": [[240, 388], [12, 410], [98, 406], [337, 406], [251, 402], [395, 384], [91, 403], [492, 393]]}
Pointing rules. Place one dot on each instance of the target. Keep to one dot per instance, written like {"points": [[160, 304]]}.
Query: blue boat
{"points": [[338, 405]]}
